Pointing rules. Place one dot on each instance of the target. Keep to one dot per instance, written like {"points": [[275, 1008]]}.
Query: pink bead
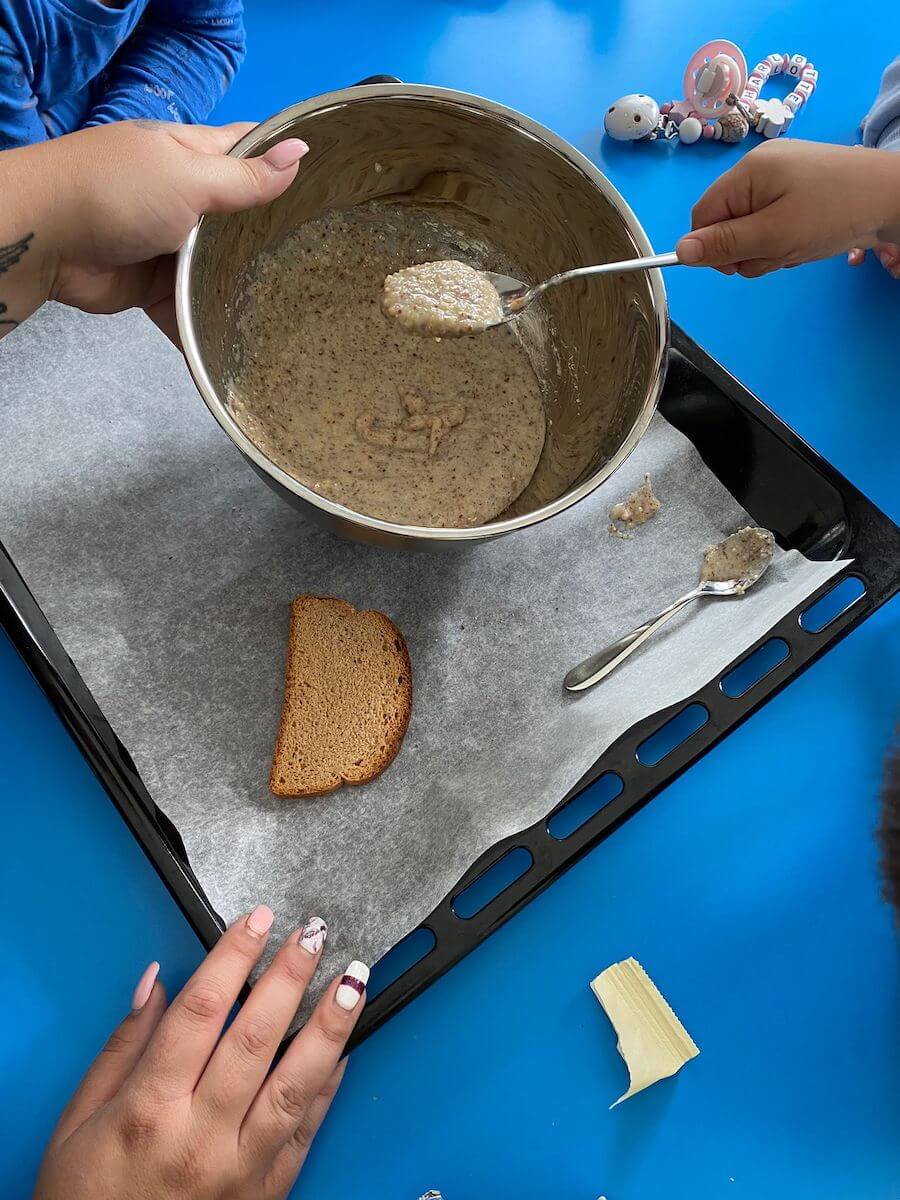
{"points": [[763, 69], [752, 90], [708, 131], [756, 81], [794, 101], [748, 97], [810, 75], [776, 62], [805, 89]]}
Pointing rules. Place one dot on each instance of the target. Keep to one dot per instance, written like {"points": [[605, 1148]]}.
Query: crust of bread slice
{"points": [[347, 698]]}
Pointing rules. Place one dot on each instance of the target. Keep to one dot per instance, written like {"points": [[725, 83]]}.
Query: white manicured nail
{"points": [[352, 986]]}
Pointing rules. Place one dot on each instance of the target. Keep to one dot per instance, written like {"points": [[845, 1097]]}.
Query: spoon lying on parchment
{"points": [[449, 298], [728, 569]]}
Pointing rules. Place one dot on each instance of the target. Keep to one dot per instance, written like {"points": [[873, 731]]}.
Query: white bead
{"points": [[796, 65], [690, 130], [804, 88], [811, 75], [772, 117], [763, 69], [632, 117], [793, 101], [776, 62], [752, 88]]}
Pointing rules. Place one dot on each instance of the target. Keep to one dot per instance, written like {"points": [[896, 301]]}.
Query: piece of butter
{"points": [[652, 1040]]}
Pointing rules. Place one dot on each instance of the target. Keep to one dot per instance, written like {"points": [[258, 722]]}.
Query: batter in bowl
{"points": [[411, 429]]}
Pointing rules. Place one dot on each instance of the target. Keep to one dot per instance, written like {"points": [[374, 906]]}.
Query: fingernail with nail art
{"points": [[352, 985], [144, 987], [313, 935], [260, 920]]}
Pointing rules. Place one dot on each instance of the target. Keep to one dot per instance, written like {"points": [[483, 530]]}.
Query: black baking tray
{"points": [[785, 486]]}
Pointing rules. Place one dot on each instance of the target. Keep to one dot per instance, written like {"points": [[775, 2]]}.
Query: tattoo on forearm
{"points": [[9, 256]]}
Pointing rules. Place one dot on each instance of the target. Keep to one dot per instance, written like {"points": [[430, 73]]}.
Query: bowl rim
{"points": [[281, 122]]}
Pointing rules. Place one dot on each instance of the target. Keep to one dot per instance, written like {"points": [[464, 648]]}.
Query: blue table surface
{"points": [[749, 888]]}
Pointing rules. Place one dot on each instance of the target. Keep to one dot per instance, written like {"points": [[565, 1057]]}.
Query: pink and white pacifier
{"points": [[717, 70]]}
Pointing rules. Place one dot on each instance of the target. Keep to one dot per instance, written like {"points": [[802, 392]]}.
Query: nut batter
{"points": [[442, 299], [637, 508], [410, 429], [739, 557]]}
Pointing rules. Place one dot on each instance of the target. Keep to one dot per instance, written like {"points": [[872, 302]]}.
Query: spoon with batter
{"points": [[450, 299], [728, 569]]}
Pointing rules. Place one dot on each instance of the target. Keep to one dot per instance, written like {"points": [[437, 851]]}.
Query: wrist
{"points": [[29, 225], [889, 192]]}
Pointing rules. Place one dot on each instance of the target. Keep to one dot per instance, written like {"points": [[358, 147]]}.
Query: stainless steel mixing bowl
{"points": [[500, 179]]}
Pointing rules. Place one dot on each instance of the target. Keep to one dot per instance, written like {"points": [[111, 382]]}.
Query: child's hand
{"points": [[109, 206], [887, 253], [790, 202], [172, 1108]]}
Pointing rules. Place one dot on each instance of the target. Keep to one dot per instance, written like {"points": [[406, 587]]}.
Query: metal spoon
{"points": [[515, 296], [599, 665]]}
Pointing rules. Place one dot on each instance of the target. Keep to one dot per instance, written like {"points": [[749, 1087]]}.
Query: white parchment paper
{"points": [[167, 568]]}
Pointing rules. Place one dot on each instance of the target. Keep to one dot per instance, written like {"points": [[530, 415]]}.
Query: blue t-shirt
{"points": [[65, 64]]}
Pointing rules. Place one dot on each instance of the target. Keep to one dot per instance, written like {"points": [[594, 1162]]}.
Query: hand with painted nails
{"points": [[790, 202], [93, 219], [175, 1108]]}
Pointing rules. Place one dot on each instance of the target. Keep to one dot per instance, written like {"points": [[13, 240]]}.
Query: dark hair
{"points": [[889, 830]]}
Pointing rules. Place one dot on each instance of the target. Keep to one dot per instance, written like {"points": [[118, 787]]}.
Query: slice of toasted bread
{"points": [[347, 698]]}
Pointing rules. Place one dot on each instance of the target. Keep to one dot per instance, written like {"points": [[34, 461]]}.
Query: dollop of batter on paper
{"points": [[640, 506]]}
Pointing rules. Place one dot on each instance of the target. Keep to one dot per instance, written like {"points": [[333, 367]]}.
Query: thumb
{"points": [[732, 241], [227, 184]]}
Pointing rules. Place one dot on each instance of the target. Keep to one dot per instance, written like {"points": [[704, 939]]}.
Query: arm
{"points": [[176, 66], [94, 218]]}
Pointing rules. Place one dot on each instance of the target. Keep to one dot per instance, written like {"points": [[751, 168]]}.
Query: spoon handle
{"points": [[628, 264], [599, 665]]}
